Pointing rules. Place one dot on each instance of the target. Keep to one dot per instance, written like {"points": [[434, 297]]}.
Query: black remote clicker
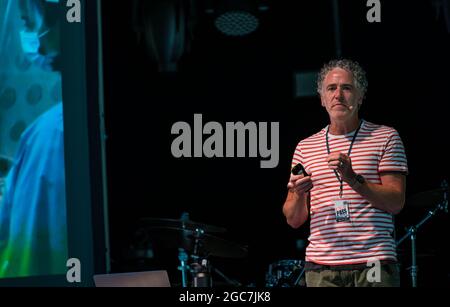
{"points": [[299, 170]]}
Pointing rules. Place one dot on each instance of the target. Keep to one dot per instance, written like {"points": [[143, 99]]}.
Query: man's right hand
{"points": [[299, 184]]}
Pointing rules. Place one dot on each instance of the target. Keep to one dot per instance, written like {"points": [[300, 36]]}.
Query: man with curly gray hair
{"points": [[351, 183]]}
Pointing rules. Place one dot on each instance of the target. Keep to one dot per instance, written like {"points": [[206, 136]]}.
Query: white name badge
{"points": [[341, 210]]}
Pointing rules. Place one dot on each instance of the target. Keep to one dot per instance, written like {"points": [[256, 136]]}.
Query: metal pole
{"points": [[183, 257], [337, 28], [414, 262]]}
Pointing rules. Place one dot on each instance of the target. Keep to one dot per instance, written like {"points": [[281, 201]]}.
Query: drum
{"points": [[286, 273]]}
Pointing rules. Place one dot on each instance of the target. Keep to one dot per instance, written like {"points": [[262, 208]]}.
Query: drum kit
{"points": [[196, 242], [286, 273]]}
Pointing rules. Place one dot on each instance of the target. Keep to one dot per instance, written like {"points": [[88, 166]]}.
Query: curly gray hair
{"points": [[359, 75]]}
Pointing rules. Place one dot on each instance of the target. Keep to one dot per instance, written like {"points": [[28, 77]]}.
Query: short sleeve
{"points": [[394, 156], [297, 157]]}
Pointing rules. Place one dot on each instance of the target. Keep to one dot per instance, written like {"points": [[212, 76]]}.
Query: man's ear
{"points": [[321, 100]]}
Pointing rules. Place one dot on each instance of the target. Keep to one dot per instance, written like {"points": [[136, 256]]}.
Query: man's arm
{"points": [[388, 196], [295, 208]]}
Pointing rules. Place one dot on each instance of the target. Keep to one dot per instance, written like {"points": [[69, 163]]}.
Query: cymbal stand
{"points": [[184, 267], [201, 273], [200, 267], [412, 231]]}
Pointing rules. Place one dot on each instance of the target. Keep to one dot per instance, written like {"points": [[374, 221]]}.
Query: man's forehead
{"points": [[339, 75]]}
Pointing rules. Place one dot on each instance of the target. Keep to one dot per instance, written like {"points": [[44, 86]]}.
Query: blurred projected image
{"points": [[33, 230]]}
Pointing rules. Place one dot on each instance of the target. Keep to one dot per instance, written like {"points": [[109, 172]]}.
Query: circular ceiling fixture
{"points": [[237, 23]]}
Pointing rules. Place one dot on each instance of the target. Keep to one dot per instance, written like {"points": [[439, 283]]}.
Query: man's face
{"points": [[339, 95]]}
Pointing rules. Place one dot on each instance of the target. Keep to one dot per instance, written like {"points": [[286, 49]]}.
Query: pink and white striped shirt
{"points": [[368, 234]]}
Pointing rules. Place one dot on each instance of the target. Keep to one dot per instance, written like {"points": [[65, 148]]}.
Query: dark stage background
{"points": [[251, 78]]}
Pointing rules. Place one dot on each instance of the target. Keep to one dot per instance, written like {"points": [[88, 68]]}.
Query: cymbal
{"points": [[208, 245], [426, 199], [182, 224]]}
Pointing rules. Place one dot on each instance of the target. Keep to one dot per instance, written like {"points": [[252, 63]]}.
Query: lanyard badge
{"points": [[342, 211], [341, 181], [341, 207]]}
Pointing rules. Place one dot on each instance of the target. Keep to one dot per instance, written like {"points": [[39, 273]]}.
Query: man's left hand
{"points": [[343, 165]]}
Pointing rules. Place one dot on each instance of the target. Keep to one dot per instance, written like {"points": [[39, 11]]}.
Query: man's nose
{"points": [[338, 93]]}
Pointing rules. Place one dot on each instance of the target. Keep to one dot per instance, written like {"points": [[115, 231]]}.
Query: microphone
{"points": [[299, 170]]}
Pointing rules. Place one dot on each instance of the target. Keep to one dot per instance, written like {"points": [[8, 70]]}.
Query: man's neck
{"points": [[344, 127]]}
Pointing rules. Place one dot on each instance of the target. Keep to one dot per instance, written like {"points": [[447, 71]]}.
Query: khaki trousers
{"points": [[388, 276]]}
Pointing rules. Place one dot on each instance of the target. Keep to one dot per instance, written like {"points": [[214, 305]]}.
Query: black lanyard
{"points": [[341, 187]]}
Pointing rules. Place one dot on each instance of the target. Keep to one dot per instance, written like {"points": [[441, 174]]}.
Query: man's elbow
{"points": [[295, 223], [397, 210], [292, 219], [295, 214], [397, 207]]}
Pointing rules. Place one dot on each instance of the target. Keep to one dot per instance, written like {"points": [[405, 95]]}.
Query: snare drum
{"points": [[286, 273]]}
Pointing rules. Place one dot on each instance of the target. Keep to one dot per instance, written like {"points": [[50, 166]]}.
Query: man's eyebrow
{"points": [[342, 85], [348, 85]]}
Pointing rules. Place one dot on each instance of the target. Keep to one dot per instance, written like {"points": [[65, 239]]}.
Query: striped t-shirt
{"points": [[368, 234]]}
